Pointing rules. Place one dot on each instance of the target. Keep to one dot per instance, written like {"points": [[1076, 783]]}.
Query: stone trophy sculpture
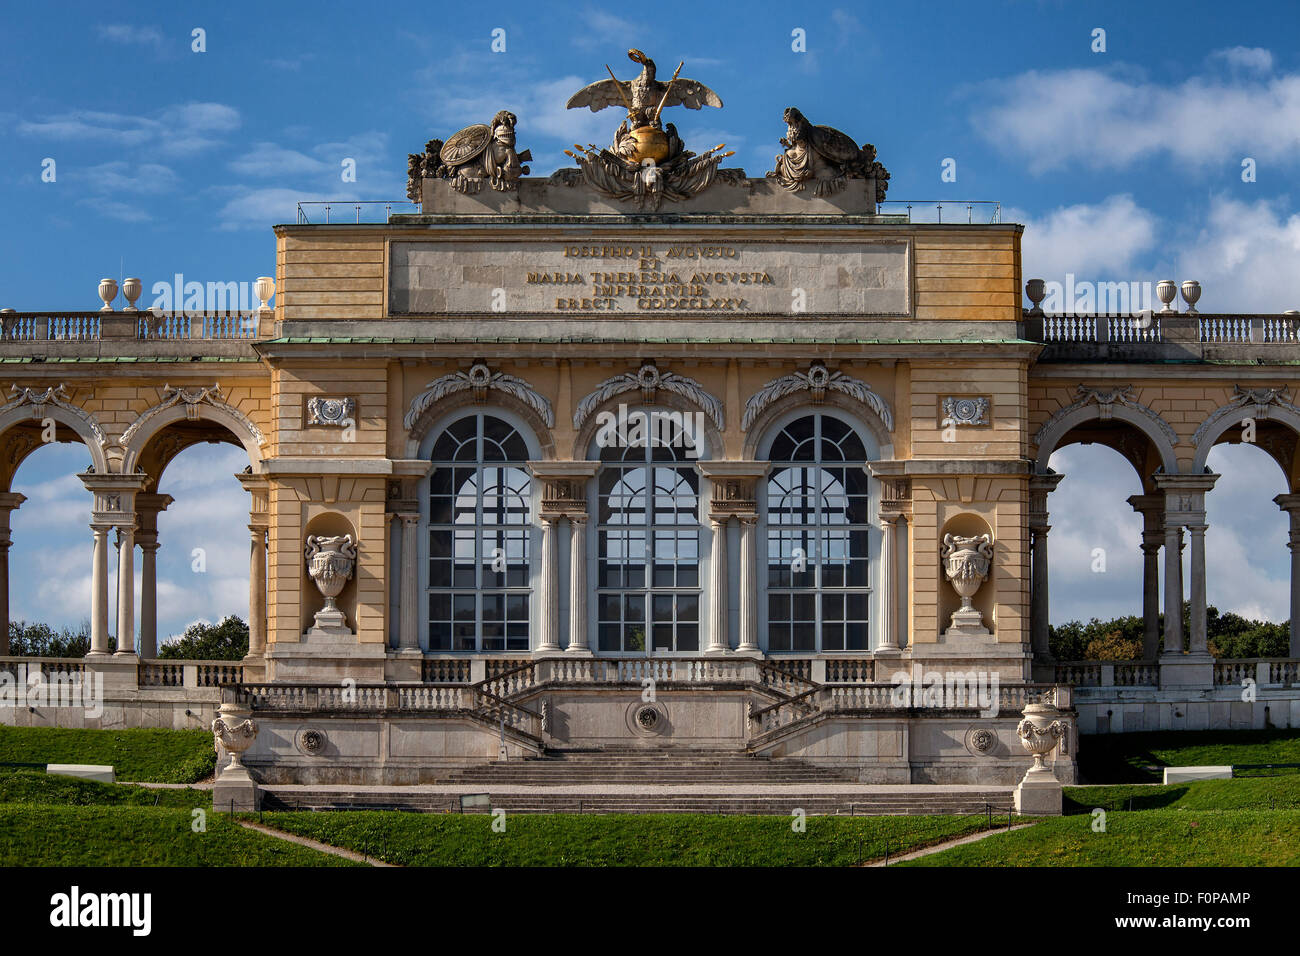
{"points": [[484, 152], [966, 563], [647, 162], [824, 157], [330, 562], [1040, 732]]}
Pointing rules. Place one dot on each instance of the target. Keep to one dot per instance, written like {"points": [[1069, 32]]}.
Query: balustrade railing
{"points": [[440, 671], [1121, 329], [850, 671], [141, 326]]}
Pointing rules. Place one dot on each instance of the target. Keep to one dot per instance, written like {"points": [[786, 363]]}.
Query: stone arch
{"points": [[80, 422], [442, 410], [1092, 408], [857, 412], [177, 407], [1226, 417], [663, 399]]}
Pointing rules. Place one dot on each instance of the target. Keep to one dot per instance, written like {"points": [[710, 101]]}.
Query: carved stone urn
{"points": [[1040, 730], [235, 730], [107, 292], [330, 562], [131, 288], [1165, 292], [264, 288], [966, 563]]}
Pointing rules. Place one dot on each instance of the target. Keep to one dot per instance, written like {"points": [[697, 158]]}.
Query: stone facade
{"points": [[535, 314]]}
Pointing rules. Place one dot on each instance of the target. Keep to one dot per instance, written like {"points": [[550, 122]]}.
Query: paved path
{"points": [[311, 844], [948, 845]]}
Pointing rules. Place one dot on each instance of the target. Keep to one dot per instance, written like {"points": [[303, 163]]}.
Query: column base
{"points": [[544, 652], [887, 652], [1186, 670], [753, 652], [717, 652], [579, 650]]}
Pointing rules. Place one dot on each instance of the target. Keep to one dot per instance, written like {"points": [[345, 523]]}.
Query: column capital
{"points": [[9, 500], [735, 486], [407, 517], [114, 497], [564, 485], [1185, 496], [1288, 503]]}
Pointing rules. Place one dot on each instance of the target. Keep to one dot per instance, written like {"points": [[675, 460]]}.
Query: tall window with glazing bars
{"points": [[480, 496], [818, 581]]}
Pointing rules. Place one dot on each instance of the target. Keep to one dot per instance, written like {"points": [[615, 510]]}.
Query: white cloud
{"points": [[1091, 241], [123, 33], [1245, 256], [1252, 58], [1112, 119], [181, 129]]}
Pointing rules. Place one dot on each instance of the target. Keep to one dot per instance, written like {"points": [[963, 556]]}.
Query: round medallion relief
{"points": [[647, 719], [981, 741], [310, 741]]}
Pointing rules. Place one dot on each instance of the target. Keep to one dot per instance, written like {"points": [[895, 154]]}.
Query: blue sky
{"points": [[1124, 165]]}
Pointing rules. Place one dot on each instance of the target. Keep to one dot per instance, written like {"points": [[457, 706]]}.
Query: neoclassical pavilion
{"points": [[762, 446]]}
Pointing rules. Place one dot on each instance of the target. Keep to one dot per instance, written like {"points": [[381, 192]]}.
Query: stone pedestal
{"points": [[1039, 793], [1186, 670], [236, 790]]}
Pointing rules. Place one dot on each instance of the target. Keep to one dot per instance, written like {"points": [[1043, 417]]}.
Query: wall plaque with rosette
{"points": [[338, 412], [966, 410]]}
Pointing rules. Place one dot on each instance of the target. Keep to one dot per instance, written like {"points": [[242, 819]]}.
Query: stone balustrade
{"points": [[1264, 671], [137, 334]]}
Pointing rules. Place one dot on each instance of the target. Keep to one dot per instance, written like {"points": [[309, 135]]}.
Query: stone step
{"points": [[864, 804]]}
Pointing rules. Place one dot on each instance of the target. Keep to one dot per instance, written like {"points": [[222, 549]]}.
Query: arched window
{"points": [[648, 577], [818, 577], [480, 496]]}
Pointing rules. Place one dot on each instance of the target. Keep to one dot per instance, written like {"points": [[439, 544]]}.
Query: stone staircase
{"points": [[615, 766], [615, 781]]}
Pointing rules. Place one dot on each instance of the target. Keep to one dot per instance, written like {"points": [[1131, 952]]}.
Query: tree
{"points": [[41, 640], [227, 641], [1229, 635]]}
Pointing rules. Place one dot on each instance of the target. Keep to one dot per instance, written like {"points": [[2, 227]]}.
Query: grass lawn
{"points": [[1241, 793], [32, 787], [1140, 838], [147, 755], [32, 835], [1125, 758], [662, 839]]}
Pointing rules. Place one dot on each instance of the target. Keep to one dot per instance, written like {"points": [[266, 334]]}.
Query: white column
{"points": [[149, 594], [99, 591], [1173, 588], [126, 589], [256, 590], [550, 610], [1197, 643], [889, 646], [578, 640], [1291, 505], [719, 624], [748, 584], [9, 500], [409, 632]]}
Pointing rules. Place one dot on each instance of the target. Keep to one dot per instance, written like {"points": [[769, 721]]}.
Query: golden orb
{"points": [[651, 143]]}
